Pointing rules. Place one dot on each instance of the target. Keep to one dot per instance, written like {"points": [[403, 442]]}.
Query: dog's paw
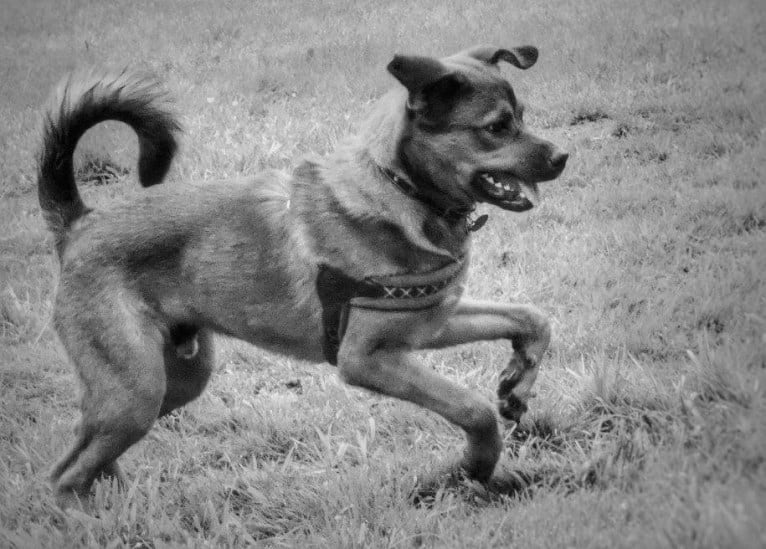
{"points": [[514, 388], [67, 500], [512, 408], [429, 488], [451, 478], [509, 481], [506, 482]]}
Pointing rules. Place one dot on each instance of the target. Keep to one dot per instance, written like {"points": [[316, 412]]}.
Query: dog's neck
{"points": [[335, 197], [347, 195], [444, 209]]}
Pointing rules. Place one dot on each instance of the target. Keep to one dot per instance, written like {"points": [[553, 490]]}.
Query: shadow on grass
{"points": [[607, 446], [506, 483]]}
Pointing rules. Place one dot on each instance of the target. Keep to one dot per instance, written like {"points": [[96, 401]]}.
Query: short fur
{"points": [[146, 282]]}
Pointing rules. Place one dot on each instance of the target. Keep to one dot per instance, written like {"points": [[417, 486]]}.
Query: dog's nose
{"points": [[559, 160]]}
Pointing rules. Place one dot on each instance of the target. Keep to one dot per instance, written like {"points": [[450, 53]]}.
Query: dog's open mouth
{"points": [[506, 191]]}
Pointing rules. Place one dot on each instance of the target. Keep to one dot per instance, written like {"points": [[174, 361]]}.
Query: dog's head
{"points": [[465, 135]]}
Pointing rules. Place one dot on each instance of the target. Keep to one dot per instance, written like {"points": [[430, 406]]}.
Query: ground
{"points": [[648, 255]]}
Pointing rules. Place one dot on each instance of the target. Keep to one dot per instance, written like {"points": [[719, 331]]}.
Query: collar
{"points": [[451, 215]]}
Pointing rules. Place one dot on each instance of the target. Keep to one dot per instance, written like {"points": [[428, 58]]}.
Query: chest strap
{"points": [[337, 290]]}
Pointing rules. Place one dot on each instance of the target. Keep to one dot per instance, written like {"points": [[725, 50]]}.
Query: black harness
{"points": [[336, 290]]}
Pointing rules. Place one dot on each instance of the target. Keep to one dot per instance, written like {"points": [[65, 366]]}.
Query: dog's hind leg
{"points": [[119, 356], [187, 374]]}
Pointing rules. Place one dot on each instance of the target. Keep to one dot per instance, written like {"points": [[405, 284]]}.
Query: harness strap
{"points": [[337, 291]]}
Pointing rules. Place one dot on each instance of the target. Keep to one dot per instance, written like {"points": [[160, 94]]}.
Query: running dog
{"points": [[357, 259]]}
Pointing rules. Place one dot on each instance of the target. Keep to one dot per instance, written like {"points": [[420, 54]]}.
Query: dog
{"points": [[358, 258]]}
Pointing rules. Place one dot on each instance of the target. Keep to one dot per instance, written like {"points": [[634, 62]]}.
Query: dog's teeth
{"points": [[498, 185], [507, 187]]}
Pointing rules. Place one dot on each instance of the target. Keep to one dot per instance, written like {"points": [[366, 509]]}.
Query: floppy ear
{"points": [[522, 57], [415, 73], [431, 85]]}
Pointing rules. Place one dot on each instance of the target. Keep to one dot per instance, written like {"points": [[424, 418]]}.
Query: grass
{"points": [[648, 255]]}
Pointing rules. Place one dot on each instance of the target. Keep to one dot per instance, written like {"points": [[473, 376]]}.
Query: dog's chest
{"points": [[380, 306], [452, 237]]}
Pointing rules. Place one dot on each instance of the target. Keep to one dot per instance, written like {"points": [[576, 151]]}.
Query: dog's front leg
{"points": [[526, 328], [365, 361]]}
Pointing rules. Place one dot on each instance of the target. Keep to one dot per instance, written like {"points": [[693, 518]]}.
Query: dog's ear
{"points": [[522, 57], [432, 87], [415, 73]]}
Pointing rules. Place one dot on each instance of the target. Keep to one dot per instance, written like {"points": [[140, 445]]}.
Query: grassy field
{"points": [[649, 255]]}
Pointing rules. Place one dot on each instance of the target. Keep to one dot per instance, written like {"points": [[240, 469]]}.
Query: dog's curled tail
{"points": [[82, 100]]}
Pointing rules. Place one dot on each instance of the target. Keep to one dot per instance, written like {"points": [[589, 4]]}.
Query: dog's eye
{"points": [[499, 126]]}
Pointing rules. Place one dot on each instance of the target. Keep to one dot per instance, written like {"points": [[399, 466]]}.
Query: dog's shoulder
{"points": [[356, 221]]}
